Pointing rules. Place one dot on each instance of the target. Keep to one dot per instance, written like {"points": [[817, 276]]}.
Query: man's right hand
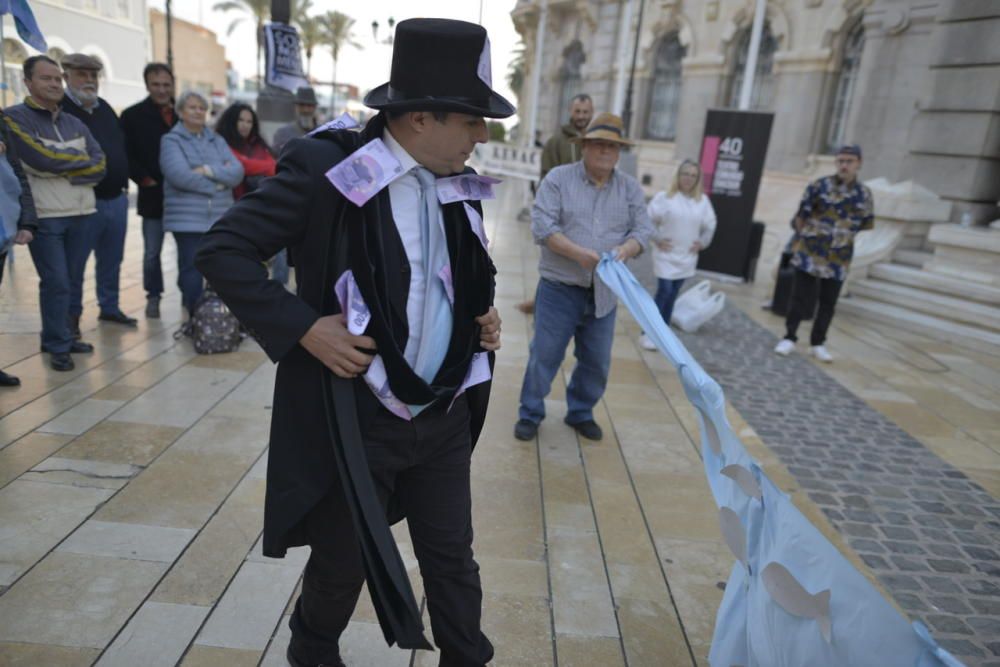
{"points": [[588, 258], [329, 341]]}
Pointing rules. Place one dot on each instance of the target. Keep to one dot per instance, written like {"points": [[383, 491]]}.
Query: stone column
{"points": [[955, 137], [894, 74]]}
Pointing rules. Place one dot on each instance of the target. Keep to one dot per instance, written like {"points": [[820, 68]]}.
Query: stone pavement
{"points": [[131, 490]]}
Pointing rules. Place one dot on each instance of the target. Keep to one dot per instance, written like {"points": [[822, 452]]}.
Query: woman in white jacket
{"points": [[685, 224]]}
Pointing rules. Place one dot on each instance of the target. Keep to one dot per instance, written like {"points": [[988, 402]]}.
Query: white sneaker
{"points": [[784, 347], [820, 352], [645, 343]]}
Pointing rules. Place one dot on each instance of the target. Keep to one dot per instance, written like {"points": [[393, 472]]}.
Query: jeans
{"points": [[279, 267], [563, 312], [106, 235], [152, 272], [59, 252], [666, 296], [189, 280], [424, 465], [805, 290]]}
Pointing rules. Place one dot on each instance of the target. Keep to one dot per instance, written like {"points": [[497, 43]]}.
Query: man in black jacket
{"points": [[144, 124], [27, 221], [107, 227], [366, 429]]}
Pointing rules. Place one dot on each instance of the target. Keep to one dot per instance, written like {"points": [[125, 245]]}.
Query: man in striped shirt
{"points": [[582, 210], [63, 162]]}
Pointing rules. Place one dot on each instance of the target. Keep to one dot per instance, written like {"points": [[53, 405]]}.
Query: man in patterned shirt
{"points": [[832, 212]]}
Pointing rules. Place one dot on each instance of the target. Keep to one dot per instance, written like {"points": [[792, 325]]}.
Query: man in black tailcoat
{"points": [[346, 462]]}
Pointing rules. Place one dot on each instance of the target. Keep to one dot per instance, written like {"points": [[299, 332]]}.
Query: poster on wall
{"points": [[284, 57], [733, 149]]}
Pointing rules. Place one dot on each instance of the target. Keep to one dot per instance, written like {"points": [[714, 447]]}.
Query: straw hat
{"points": [[606, 127]]}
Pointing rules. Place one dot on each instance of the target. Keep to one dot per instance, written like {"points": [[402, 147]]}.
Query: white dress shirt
{"points": [[682, 221], [404, 194]]}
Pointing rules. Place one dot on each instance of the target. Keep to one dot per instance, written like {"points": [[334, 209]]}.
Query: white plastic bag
{"points": [[697, 306]]}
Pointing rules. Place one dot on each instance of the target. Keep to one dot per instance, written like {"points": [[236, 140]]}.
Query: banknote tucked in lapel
{"points": [[342, 122], [464, 187], [363, 173]]}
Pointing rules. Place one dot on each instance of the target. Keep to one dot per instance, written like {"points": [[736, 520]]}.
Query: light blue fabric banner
{"points": [[792, 599]]}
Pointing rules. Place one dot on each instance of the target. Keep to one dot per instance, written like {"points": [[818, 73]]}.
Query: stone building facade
{"points": [[915, 82], [113, 31], [199, 60]]}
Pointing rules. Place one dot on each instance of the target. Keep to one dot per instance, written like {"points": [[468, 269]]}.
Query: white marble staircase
{"points": [[916, 291]]}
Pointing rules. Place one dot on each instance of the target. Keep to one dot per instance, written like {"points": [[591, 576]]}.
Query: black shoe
{"points": [[525, 429], [295, 662], [118, 317], [8, 380], [153, 307], [588, 429], [74, 327], [61, 361], [76, 347]]}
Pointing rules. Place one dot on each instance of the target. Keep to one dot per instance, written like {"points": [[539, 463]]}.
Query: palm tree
{"points": [[336, 35], [259, 11], [515, 71], [310, 30]]}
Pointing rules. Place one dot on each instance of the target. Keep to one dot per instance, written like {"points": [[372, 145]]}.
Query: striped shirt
{"points": [[598, 218]]}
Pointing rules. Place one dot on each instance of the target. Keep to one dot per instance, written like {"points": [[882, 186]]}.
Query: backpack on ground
{"points": [[214, 329]]}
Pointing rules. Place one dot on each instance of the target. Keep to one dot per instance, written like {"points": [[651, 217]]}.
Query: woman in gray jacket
{"points": [[199, 173]]}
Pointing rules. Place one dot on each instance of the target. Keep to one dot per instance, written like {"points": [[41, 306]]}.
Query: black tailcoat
{"points": [[315, 412]]}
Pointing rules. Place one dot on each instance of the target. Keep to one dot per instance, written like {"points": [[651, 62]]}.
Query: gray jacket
{"points": [[192, 201]]}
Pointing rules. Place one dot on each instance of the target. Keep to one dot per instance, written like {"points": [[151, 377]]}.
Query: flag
{"points": [[27, 27]]}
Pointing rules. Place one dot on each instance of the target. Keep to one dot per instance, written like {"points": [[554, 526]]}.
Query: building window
{"points": [[14, 55], [763, 81], [56, 54], [665, 90], [570, 80], [850, 63]]}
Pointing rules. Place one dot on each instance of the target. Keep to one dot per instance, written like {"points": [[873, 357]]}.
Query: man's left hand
{"points": [[627, 250], [489, 332], [23, 237]]}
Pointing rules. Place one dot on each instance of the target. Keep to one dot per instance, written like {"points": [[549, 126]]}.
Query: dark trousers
{"points": [[152, 271], [666, 296], [106, 236], [806, 288], [59, 251], [425, 465], [189, 280]]}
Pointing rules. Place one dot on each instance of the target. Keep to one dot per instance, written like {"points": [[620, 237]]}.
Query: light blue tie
{"points": [[435, 332]]}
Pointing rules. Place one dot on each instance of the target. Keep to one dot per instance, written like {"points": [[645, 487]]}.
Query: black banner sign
{"points": [[732, 162]]}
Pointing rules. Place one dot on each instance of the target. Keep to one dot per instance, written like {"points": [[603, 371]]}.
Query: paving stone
{"points": [[986, 607], [896, 533], [981, 587], [981, 553], [900, 582], [906, 564], [945, 550], [870, 546], [949, 624], [941, 584], [155, 637], [911, 602], [908, 548], [945, 565], [858, 530], [952, 605], [985, 626]]}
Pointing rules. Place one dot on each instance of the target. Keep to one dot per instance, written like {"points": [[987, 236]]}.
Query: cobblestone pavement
{"points": [[931, 535]]}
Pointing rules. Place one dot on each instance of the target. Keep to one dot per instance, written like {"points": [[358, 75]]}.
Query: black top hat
{"points": [[440, 65]]}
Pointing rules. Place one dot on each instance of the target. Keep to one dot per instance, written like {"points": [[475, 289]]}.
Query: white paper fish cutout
{"points": [[744, 478], [734, 534], [786, 590]]}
